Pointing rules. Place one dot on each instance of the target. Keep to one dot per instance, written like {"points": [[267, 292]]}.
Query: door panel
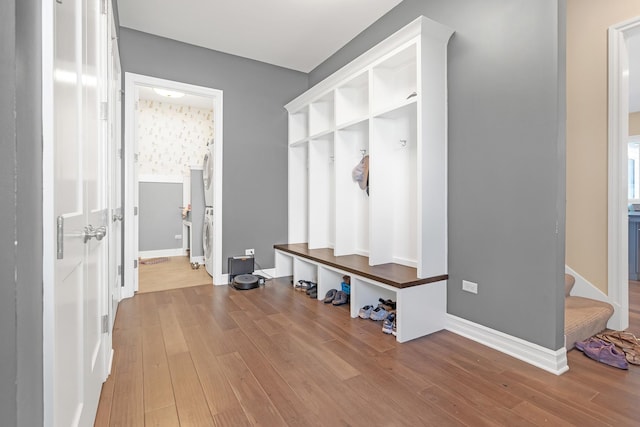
{"points": [[79, 201]]}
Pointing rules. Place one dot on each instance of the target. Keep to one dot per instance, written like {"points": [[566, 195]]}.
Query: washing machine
{"points": [[207, 175], [207, 240]]}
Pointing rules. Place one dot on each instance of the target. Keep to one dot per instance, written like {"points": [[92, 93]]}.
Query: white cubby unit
{"points": [[389, 103]]}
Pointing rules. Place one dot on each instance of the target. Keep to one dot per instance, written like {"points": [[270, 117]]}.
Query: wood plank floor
{"points": [[174, 273], [204, 356]]}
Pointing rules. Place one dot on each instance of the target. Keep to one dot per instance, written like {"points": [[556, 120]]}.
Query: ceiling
{"points": [[295, 34], [188, 99]]}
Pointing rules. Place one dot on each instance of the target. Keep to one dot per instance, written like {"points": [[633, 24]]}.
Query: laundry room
{"points": [[173, 133]]}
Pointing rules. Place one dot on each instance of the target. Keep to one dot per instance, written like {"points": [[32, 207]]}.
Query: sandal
{"points": [[626, 341]]}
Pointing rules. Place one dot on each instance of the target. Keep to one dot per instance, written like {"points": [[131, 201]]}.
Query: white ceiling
{"points": [[188, 99], [296, 34]]}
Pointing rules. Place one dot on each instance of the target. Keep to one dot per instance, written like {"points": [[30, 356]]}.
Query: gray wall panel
{"points": [[255, 132], [160, 215], [197, 212], [8, 361], [506, 157]]}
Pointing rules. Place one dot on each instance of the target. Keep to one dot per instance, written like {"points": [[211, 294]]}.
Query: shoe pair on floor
{"points": [[336, 297], [603, 352], [380, 313]]}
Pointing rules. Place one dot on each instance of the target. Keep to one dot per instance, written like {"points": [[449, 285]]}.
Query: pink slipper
{"points": [[603, 352]]}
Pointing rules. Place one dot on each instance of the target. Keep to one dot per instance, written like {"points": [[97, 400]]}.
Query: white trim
{"points": [[533, 354], [617, 220], [131, 81], [48, 213], [161, 253], [168, 179], [199, 259]]}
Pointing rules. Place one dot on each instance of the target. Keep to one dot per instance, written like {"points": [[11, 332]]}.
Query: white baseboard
{"points": [[162, 253], [198, 259], [543, 358]]}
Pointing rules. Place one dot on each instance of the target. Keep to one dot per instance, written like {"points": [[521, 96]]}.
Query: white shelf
{"points": [[299, 125], [321, 115], [395, 79], [352, 99]]}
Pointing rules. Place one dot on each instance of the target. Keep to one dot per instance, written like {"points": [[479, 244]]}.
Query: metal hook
{"points": [[363, 152], [403, 142]]}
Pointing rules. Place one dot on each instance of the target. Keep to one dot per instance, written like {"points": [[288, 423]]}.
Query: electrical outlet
{"points": [[178, 237], [469, 286], [251, 252]]}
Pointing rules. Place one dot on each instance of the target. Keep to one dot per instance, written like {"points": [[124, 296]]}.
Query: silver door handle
{"points": [[116, 217], [91, 232]]}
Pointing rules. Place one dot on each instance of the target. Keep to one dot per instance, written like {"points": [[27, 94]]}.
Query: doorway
{"points": [[618, 250], [138, 89]]}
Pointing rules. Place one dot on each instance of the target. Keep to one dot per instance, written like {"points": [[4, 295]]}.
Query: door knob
{"points": [[91, 232]]}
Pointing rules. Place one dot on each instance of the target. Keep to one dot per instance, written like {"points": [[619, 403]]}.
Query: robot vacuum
{"points": [[240, 277]]}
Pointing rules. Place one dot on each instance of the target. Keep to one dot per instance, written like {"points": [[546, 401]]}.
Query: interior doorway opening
{"points": [[139, 87]]}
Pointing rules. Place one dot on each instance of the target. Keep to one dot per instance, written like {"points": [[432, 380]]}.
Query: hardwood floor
{"points": [[172, 274], [208, 355]]}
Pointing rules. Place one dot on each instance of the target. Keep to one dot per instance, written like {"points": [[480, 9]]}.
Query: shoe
{"points": [[625, 341], [311, 288], [313, 293], [387, 325], [330, 296], [394, 330], [603, 352], [387, 304], [340, 299], [365, 312], [379, 313]]}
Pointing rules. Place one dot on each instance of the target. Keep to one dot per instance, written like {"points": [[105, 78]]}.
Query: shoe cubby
{"points": [[364, 292], [299, 125], [351, 202], [391, 104], [304, 270], [321, 193], [321, 115], [352, 100], [420, 304], [328, 278], [395, 80]]}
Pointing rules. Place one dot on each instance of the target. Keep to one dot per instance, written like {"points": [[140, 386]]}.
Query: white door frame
{"points": [[618, 219], [130, 251]]}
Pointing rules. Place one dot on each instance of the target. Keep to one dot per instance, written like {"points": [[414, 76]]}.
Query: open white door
{"points": [[75, 297], [114, 96]]}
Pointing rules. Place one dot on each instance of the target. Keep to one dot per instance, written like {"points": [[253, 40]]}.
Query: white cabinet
{"points": [[390, 103]]}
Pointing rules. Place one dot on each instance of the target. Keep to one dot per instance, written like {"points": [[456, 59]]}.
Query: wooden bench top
{"points": [[396, 275]]}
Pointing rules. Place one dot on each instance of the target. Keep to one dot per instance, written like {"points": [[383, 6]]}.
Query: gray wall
{"points": [[8, 361], [160, 216], [255, 132], [197, 212], [506, 157], [21, 214]]}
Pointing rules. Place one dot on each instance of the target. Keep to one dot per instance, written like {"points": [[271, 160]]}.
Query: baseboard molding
{"points": [[267, 272], [198, 259], [551, 361], [162, 253]]}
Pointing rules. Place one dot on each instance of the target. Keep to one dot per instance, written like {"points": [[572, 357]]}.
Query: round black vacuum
{"points": [[245, 281]]}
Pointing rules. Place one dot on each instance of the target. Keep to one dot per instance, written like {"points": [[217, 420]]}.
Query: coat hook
{"points": [[363, 152], [403, 142]]}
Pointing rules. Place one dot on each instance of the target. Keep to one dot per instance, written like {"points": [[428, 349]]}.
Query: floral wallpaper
{"points": [[171, 137]]}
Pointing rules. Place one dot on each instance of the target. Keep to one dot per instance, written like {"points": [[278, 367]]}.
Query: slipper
{"points": [[603, 352], [340, 299], [620, 338], [330, 296]]}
